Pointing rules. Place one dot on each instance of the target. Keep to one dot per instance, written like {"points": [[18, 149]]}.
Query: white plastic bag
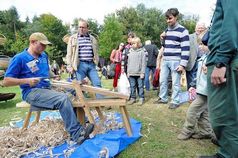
{"points": [[124, 85]]}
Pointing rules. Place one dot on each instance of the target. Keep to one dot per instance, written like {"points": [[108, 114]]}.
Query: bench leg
{"points": [[27, 120], [37, 119], [80, 115], [102, 118], [126, 120], [89, 115]]}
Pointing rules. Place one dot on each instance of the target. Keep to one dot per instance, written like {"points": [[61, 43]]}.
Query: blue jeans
{"points": [[170, 66], [191, 75], [53, 100], [88, 69], [134, 82], [147, 75]]}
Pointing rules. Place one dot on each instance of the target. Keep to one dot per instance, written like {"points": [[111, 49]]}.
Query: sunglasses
{"points": [[81, 27]]}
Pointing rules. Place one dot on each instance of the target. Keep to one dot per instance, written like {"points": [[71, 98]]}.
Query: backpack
{"points": [[112, 70]]}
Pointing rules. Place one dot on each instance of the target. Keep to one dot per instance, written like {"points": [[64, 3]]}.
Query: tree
{"points": [[94, 27], [53, 28], [146, 23], [129, 18], [10, 26], [189, 22], [111, 35]]}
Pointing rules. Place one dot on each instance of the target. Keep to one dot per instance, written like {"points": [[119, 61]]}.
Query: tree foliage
{"points": [[111, 35], [147, 23], [54, 30]]}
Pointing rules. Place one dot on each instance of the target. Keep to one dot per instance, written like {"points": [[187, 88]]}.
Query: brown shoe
{"points": [[131, 101], [160, 101], [173, 106], [184, 136], [200, 136]]}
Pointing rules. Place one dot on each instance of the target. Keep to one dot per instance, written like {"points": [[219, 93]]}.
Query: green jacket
{"points": [[223, 41]]}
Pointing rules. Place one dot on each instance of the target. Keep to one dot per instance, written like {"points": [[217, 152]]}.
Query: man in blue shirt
{"points": [[30, 70]]}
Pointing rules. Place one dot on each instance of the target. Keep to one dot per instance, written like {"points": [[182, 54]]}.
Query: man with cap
{"points": [[30, 69]]}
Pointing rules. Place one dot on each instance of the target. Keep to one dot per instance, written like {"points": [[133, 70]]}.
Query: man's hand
{"points": [[180, 69], [70, 69], [218, 75], [56, 77], [204, 69], [33, 81], [142, 76], [162, 36]]}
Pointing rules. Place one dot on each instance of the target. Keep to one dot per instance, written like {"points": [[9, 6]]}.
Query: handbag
{"points": [[155, 82], [124, 85], [112, 70]]}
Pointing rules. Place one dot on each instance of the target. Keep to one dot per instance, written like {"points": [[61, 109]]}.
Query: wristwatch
{"points": [[220, 65]]}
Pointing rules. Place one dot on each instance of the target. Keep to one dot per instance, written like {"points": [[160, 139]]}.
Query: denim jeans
{"points": [[88, 69], [134, 82], [167, 66], [191, 75], [148, 69], [53, 100]]}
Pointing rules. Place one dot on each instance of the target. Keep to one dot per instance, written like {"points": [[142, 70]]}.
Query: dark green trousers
{"points": [[223, 110]]}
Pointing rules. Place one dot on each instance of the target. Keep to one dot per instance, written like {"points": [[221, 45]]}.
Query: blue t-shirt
{"points": [[24, 65]]}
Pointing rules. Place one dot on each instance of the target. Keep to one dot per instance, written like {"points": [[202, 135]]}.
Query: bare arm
{"points": [[112, 56], [10, 81]]}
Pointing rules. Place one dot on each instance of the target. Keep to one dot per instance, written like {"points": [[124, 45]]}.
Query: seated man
{"points": [[30, 70]]}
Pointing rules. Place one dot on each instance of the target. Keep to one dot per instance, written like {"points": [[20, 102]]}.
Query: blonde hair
{"points": [[137, 41]]}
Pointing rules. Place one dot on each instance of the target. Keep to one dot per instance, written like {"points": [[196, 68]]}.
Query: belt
{"points": [[87, 61]]}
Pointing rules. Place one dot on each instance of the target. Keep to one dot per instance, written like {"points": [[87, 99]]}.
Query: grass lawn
{"points": [[160, 127]]}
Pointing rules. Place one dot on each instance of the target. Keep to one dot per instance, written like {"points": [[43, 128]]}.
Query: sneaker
{"points": [[200, 136], [85, 133], [141, 101], [131, 101], [184, 136], [173, 106], [160, 101]]}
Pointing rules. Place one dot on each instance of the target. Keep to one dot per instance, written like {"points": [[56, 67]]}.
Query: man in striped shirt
{"points": [[176, 55], [82, 55]]}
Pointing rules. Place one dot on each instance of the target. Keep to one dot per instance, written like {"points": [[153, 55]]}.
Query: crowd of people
{"points": [[211, 70]]}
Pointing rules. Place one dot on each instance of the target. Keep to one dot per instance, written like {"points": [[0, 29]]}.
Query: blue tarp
{"points": [[115, 141]]}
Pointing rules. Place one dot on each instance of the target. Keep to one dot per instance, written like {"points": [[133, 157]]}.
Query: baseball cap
{"points": [[37, 36]]}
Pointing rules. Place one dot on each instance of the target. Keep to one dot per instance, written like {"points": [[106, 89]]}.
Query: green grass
{"points": [[8, 110], [160, 127]]}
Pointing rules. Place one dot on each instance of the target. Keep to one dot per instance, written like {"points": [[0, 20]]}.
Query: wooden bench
{"points": [[84, 105]]}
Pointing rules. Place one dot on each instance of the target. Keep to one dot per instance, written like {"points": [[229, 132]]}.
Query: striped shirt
{"points": [[85, 48], [177, 44]]}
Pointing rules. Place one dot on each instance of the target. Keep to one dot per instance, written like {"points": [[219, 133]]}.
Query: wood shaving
{"points": [[16, 142], [48, 133]]}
